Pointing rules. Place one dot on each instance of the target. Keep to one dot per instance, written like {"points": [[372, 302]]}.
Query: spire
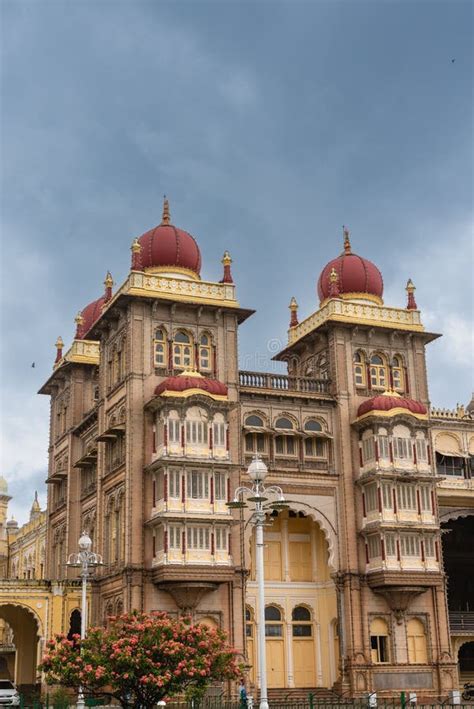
{"points": [[166, 219], [410, 289], [79, 320], [136, 249], [293, 306], [226, 261], [59, 344], [108, 283], [35, 507], [334, 283], [347, 241]]}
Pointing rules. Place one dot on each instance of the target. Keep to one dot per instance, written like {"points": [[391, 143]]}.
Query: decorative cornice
{"points": [[339, 310]]}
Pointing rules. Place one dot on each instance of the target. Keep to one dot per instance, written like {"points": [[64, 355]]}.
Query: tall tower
{"points": [[391, 588], [4, 500], [145, 437]]}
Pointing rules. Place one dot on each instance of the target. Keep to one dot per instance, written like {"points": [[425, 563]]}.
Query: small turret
{"points": [[35, 508], [59, 344], [108, 283], [410, 289], [136, 249], [226, 261], [293, 306], [334, 284]]}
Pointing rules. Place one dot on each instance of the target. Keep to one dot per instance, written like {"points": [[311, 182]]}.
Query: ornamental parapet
{"points": [[174, 288], [457, 414], [81, 352], [358, 313]]}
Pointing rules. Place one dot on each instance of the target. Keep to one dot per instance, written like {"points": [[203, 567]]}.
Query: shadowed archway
{"points": [[26, 630]]}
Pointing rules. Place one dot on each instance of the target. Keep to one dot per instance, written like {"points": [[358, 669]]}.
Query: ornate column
{"points": [[319, 667], [285, 551], [289, 654], [314, 553]]}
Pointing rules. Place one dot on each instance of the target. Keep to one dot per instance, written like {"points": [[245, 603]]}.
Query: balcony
{"points": [[461, 622], [282, 383]]}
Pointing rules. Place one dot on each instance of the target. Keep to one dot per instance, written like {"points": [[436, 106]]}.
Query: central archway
{"points": [[300, 601], [26, 635]]}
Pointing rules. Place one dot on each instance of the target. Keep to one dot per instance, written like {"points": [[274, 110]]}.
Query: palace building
{"points": [[153, 427]]}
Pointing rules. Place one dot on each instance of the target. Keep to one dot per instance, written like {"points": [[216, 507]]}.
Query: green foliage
{"points": [[140, 659]]}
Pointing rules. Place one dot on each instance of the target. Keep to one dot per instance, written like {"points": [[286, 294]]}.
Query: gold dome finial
{"points": [[109, 281], [347, 241], [136, 246], [166, 219], [79, 320], [226, 259]]}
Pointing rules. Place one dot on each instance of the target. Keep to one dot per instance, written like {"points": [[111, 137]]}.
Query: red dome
{"points": [[387, 402], [355, 274], [184, 382], [165, 245], [91, 314]]}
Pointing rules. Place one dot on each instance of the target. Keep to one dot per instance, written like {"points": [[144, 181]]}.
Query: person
{"points": [[242, 695]]}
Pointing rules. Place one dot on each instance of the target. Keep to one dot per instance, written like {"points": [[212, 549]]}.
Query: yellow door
{"points": [[304, 662], [300, 561], [272, 561], [275, 662]]}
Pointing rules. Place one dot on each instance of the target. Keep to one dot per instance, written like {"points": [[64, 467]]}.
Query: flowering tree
{"points": [[141, 658]]}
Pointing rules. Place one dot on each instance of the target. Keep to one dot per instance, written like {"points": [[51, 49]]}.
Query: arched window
{"points": [[383, 444], [379, 649], [160, 348], [284, 445], [359, 370], [174, 428], [313, 426], [249, 622], [218, 431], [378, 372], [183, 351], [314, 446], [74, 624], [284, 423], [421, 447], [416, 640], [253, 420], [397, 373], [302, 625], [255, 442], [205, 353], [273, 622], [197, 434], [402, 444]]}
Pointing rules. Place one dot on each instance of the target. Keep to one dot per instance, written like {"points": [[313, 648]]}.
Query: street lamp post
{"points": [[85, 559], [258, 494]]}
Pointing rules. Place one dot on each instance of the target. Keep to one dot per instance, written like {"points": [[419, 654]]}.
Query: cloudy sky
{"points": [[269, 125]]}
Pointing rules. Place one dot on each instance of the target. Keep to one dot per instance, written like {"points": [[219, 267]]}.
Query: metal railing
{"points": [[461, 621], [283, 382]]}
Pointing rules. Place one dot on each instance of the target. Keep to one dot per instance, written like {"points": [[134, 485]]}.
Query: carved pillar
{"points": [[319, 667], [314, 553], [285, 555], [289, 654]]}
